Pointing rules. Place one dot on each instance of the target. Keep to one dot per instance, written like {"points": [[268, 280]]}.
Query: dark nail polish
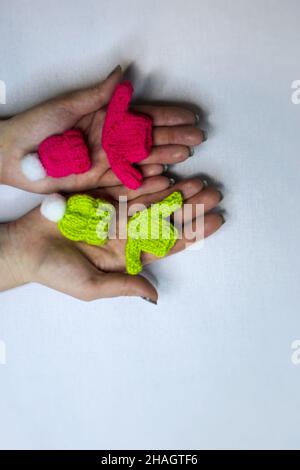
{"points": [[192, 151], [223, 218], [154, 302], [205, 183], [166, 167], [197, 119], [204, 136], [221, 196], [172, 181]]}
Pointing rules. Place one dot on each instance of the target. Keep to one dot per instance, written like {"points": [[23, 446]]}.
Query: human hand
{"points": [[174, 133], [39, 253]]}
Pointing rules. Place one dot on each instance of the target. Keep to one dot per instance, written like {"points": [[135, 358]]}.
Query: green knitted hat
{"points": [[80, 218]]}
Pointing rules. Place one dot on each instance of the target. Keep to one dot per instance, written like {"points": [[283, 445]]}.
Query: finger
{"points": [[89, 180], [168, 115], [168, 154], [197, 230], [150, 185], [194, 231], [198, 205], [188, 188], [30, 128], [182, 135], [152, 170], [91, 99], [120, 284]]}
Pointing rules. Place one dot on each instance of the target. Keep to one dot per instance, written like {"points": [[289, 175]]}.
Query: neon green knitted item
{"points": [[86, 219], [148, 231]]}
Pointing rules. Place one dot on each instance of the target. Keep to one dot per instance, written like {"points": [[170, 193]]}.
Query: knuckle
{"points": [[171, 134]]}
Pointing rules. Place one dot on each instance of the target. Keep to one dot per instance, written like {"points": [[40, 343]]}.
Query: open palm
{"points": [[89, 272], [173, 134]]}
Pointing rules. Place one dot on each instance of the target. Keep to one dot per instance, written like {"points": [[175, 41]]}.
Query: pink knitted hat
{"points": [[58, 156], [64, 155], [126, 137]]}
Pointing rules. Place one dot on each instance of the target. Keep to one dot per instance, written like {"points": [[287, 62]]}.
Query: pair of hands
{"points": [[33, 250]]}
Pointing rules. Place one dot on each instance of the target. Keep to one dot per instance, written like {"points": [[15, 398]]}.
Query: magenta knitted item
{"points": [[126, 137], [65, 154]]}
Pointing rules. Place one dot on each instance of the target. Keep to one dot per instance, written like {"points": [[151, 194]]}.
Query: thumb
{"points": [[121, 284], [91, 99], [54, 116]]}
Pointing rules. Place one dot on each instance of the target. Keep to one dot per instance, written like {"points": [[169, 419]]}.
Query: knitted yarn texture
{"points": [[87, 219], [126, 136], [65, 154], [148, 231]]}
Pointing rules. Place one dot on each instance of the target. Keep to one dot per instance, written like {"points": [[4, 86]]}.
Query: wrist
{"points": [[8, 151], [3, 147], [11, 263]]}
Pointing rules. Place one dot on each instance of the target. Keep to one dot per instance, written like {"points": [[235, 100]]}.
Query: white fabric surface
{"points": [[210, 366]]}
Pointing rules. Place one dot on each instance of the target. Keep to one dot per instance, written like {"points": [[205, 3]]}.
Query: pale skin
{"points": [[33, 250], [174, 133]]}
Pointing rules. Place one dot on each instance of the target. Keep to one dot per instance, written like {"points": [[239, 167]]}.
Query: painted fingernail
{"points": [[192, 151], [223, 218], [114, 70], [166, 167], [154, 302], [221, 196], [172, 181], [205, 183], [197, 119], [204, 136]]}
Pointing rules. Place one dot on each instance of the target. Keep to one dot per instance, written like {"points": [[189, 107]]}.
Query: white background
{"points": [[210, 366]]}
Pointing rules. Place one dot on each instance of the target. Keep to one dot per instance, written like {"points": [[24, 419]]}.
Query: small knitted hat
{"points": [[80, 218], [148, 231], [58, 156], [126, 136], [84, 219]]}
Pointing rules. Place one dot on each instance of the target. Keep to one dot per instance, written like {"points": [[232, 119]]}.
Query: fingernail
{"points": [[197, 119], [154, 302], [172, 181], [166, 167], [223, 218], [204, 136], [205, 183], [192, 151], [114, 70], [221, 196]]}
